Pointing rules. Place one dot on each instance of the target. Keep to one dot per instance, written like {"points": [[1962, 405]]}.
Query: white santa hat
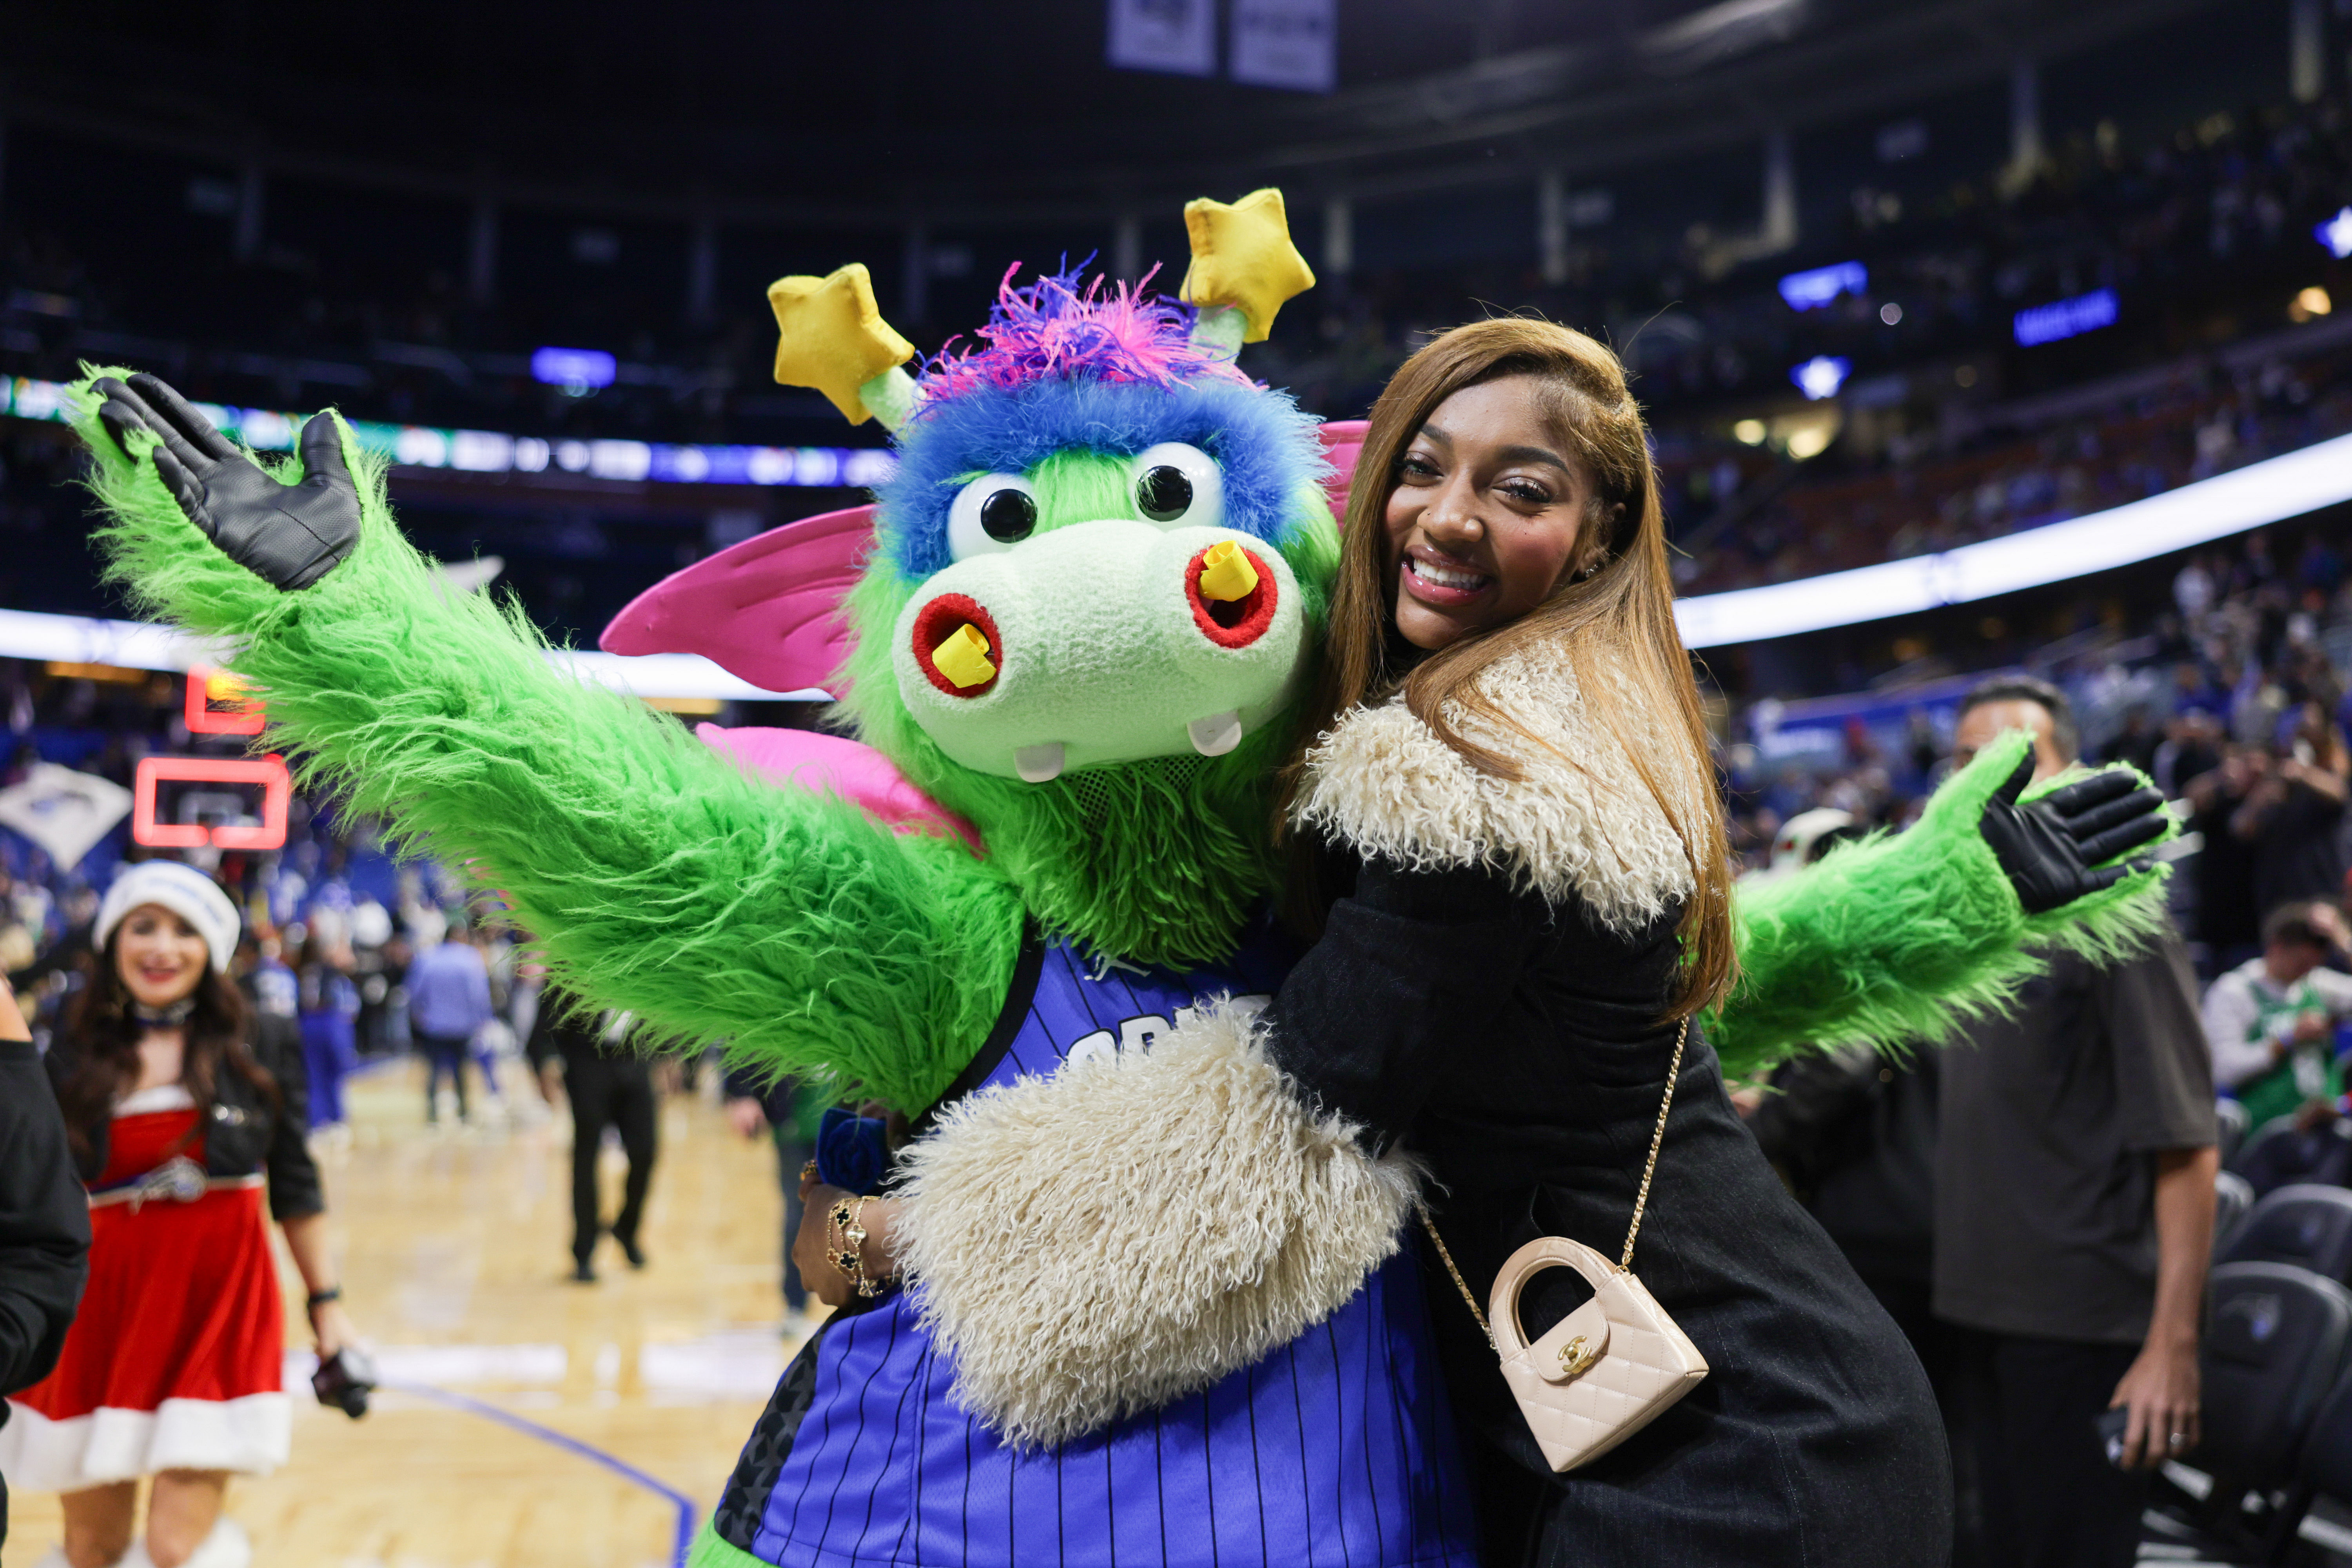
{"points": [[182, 890]]}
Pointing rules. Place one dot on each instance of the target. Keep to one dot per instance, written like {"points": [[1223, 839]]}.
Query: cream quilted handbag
{"points": [[1606, 1370]]}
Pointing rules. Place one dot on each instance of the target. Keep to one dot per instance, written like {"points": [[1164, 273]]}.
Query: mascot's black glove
{"points": [[292, 535], [2052, 846]]}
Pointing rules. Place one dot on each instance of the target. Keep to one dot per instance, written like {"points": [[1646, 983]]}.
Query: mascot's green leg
{"points": [[1895, 940], [658, 875], [711, 1551]]}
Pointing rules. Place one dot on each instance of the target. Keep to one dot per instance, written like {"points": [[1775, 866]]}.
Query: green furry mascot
{"points": [[1093, 592]]}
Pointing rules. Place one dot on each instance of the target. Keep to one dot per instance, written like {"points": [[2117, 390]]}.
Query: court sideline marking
{"points": [[682, 1539]]}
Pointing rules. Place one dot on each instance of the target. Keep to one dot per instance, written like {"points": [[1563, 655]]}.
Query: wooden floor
{"points": [[455, 1251]]}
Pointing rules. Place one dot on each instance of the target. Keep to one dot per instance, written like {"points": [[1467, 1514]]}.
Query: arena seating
{"points": [[2326, 1471], [2307, 1224], [2229, 1123], [2234, 1195], [2278, 1342]]}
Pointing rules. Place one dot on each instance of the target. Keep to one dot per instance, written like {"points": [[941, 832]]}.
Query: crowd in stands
{"points": [[1947, 430], [2200, 418], [1950, 432]]}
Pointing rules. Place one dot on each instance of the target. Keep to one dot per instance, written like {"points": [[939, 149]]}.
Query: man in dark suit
{"points": [[607, 1080]]}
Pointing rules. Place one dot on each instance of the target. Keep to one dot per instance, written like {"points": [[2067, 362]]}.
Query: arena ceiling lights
{"points": [[2272, 490], [1810, 290], [132, 645], [2336, 234], [490, 452]]}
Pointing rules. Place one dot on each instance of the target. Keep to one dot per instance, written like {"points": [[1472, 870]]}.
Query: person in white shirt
{"points": [[2271, 1022]]}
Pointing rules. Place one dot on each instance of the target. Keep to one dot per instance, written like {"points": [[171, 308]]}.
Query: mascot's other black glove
{"points": [[291, 535], [2052, 846]]}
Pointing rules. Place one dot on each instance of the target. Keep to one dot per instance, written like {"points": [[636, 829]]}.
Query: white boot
{"points": [[224, 1546]]}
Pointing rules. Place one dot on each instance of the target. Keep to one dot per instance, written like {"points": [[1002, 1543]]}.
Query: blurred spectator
{"points": [[2074, 1176], [2293, 813], [2136, 742], [789, 1111], [609, 1084], [44, 1220], [449, 1002], [2227, 922], [330, 1003], [2271, 1021]]}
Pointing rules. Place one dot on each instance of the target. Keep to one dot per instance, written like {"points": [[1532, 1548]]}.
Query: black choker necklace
{"points": [[169, 1017]]}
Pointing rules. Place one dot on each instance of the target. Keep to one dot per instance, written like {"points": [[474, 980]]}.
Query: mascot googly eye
{"points": [[995, 512], [1176, 483]]}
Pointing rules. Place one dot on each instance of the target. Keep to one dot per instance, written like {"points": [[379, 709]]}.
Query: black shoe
{"points": [[582, 1274], [633, 1252]]}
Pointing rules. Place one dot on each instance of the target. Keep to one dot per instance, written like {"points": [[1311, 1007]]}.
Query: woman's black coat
{"points": [[1516, 1047], [246, 1130], [1490, 996]]}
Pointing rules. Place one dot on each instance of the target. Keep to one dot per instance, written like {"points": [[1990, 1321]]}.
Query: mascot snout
{"points": [[1102, 642]]}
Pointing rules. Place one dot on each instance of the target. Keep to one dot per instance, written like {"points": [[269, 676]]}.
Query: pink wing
{"points": [[1343, 442], [767, 609], [834, 764]]}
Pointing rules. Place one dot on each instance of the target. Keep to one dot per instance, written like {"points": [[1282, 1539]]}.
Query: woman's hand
{"points": [[330, 1328], [306, 1238], [813, 1244]]}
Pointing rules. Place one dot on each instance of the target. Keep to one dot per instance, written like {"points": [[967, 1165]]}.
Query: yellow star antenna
{"points": [[1243, 268], [831, 336]]}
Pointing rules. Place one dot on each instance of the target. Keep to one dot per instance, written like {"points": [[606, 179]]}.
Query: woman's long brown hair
{"points": [[1612, 615], [102, 1033]]}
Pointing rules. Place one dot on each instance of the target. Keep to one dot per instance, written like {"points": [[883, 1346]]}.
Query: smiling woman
{"points": [[1507, 515], [1482, 525], [1518, 874]]}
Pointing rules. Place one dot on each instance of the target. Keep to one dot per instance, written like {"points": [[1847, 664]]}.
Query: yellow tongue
{"points": [[1226, 574], [963, 657]]}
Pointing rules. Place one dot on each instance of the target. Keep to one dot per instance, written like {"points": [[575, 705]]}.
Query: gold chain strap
{"points": [[1657, 1141], [1468, 1300], [1641, 1199]]}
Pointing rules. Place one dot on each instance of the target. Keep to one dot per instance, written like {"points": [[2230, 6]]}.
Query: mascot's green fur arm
{"points": [[658, 875], [1898, 939]]}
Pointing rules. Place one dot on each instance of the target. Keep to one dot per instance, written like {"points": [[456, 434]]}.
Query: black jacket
{"points": [[564, 1029], [245, 1131], [44, 1229], [1516, 1047]]}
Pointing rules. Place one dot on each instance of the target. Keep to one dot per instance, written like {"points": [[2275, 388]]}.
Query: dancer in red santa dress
{"points": [[185, 1123]]}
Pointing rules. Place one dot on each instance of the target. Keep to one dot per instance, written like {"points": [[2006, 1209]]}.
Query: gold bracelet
{"points": [[843, 1251]]}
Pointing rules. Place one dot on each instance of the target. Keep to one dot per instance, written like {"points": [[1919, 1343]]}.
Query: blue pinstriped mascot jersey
{"points": [[1337, 1449]]}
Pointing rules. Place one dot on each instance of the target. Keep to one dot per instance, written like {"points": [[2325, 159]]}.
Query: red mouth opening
{"points": [[936, 622], [1232, 623]]}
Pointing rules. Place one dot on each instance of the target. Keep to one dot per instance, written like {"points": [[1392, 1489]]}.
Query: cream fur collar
{"points": [[1580, 822]]}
